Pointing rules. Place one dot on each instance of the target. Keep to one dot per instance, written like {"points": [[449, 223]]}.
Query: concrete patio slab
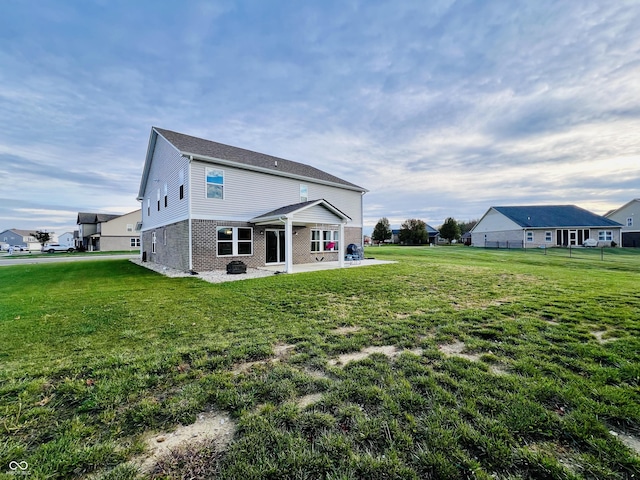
{"points": [[314, 267]]}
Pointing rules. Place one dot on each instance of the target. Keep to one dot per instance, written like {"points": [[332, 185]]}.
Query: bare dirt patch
{"points": [[280, 350], [209, 426], [455, 349], [600, 336], [629, 440], [388, 350], [345, 330], [308, 400]]}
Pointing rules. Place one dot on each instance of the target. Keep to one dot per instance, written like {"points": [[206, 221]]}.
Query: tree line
{"points": [[414, 231]]}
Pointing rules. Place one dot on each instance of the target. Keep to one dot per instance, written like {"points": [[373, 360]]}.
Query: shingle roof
{"points": [[282, 211], [199, 147], [541, 216], [84, 217]]}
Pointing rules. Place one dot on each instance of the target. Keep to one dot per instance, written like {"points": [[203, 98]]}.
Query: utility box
{"points": [[236, 267]]}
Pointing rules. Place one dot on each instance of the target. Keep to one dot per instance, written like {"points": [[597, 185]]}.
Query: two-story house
{"points": [[205, 204], [108, 232], [626, 215]]}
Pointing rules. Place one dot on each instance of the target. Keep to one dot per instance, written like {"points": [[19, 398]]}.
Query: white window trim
{"points": [[304, 198], [206, 183], [548, 236], [234, 242], [334, 237], [605, 235], [629, 221], [530, 236], [134, 242], [153, 242]]}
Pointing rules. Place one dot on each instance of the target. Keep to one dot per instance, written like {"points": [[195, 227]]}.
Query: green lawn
{"points": [[543, 364]]}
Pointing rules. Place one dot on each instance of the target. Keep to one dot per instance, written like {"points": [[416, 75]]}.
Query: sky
{"points": [[438, 108]]}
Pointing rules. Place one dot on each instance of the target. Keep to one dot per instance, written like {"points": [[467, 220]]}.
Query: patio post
{"points": [[341, 249], [288, 235]]}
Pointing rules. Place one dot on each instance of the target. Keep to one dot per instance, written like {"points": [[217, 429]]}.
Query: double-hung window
{"points": [[548, 237], [235, 241], [215, 182], [325, 240], [605, 235], [166, 195], [529, 236], [153, 242], [304, 193], [630, 222], [134, 242], [181, 181]]}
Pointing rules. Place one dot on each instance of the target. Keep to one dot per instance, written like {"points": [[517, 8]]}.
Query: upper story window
{"points": [[166, 194], [158, 199], [148, 207], [215, 183], [129, 227], [630, 222], [181, 181], [304, 193]]}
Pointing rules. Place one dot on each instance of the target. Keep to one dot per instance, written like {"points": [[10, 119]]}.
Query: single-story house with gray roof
{"points": [[543, 226], [206, 204]]}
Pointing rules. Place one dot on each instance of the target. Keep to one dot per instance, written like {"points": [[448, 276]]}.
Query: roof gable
{"points": [[544, 216], [209, 150], [290, 210]]}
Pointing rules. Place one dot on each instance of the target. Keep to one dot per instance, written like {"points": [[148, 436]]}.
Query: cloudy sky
{"points": [[439, 108]]}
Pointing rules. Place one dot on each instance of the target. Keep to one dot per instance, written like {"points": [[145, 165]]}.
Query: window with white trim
{"points": [[153, 242], [164, 236], [529, 236], [181, 181], [235, 241], [215, 182], [134, 242], [148, 207], [548, 237], [166, 195], [304, 193], [158, 199], [630, 222], [605, 235], [325, 240]]}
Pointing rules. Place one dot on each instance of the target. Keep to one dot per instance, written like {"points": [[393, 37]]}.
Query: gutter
{"points": [[189, 215]]}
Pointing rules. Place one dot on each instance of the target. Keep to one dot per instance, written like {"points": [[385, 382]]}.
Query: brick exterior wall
{"points": [[176, 253]]}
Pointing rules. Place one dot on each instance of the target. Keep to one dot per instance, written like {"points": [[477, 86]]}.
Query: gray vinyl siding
{"points": [[317, 214], [165, 168], [248, 194]]}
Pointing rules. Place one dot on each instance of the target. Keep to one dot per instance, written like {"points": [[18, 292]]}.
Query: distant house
{"points": [[206, 204], [543, 225], [434, 235], [67, 239], [18, 237], [629, 216], [108, 232]]}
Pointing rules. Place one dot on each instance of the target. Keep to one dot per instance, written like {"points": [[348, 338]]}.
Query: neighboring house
{"points": [[23, 238], [434, 235], [108, 232], [67, 239], [629, 216], [543, 225], [205, 204]]}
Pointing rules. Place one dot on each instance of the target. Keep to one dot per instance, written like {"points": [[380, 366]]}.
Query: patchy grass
{"points": [[482, 364]]}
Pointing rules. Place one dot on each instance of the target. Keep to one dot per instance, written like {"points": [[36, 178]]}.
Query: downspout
{"points": [[361, 220], [189, 215]]}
